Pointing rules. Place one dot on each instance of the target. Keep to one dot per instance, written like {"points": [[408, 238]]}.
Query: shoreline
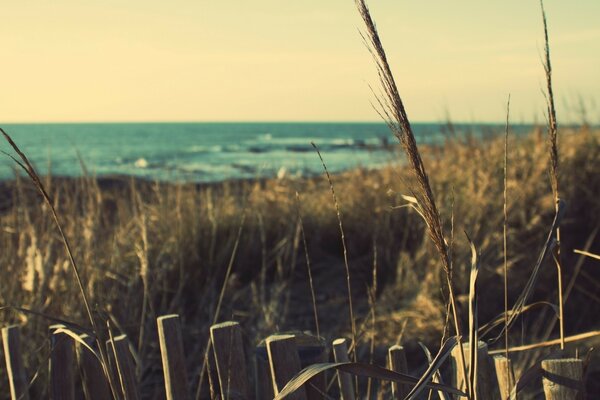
{"points": [[212, 154]]}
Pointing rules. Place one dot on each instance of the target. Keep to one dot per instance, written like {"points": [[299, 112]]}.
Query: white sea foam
{"points": [[141, 163], [205, 149], [342, 142]]}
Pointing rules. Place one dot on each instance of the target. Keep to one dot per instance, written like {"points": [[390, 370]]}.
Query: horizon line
{"points": [[438, 122]]}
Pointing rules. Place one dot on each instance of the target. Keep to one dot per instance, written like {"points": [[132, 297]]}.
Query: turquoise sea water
{"points": [[208, 152]]}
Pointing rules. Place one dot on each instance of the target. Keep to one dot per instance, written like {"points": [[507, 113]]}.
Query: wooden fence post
{"points": [[562, 379], [397, 362], [95, 383], [487, 382], [262, 373], [62, 359], [230, 359], [17, 379], [285, 363], [505, 382], [118, 350], [173, 360], [311, 350], [340, 354]]}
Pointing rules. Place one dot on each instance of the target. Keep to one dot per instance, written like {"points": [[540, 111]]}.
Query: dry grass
{"points": [[173, 244]]}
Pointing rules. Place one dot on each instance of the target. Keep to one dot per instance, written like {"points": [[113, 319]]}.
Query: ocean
{"points": [[210, 152]]}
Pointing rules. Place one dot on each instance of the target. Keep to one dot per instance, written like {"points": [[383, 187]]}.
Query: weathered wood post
{"points": [[122, 360], [340, 354], [95, 383], [311, 350], [62, 360], [262, 373], [17, 379], [285, 363], [173, 359], [562, 379], [505, 376], [397, 362], [487, 382], [229, 354]]}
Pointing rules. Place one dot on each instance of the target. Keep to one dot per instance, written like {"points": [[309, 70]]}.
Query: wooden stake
{"points": [[95, 383], [62, 359], [230, 359], [340, 353], [562, 379], [505, 382], [262, 373], [285, 363], [17, 379], [487, 382], [118, 350], [173, 359], [397, 362]]}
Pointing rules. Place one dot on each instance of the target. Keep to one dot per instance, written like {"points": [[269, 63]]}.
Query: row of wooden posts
{"points": [[277, 360]]}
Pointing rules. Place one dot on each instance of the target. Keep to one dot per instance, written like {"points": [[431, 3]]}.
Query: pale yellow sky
{"points": [[274, 60]]}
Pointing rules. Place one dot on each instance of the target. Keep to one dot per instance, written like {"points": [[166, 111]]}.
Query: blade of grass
{"points": [[437, 377], [434, 367], [48, 317], [548, 343], [587, 254], [358, 369], [473, 322]]}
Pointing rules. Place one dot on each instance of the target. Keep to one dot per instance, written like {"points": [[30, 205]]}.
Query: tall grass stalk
{"points": [[346, 265], [394, 114], [553, 149], [142, 254], [391, 108], [307, 258], [372, 298], [505, 245], [30, 170]]}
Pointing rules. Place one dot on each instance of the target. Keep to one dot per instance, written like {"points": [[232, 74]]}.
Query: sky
{"points": [[274, 60]]}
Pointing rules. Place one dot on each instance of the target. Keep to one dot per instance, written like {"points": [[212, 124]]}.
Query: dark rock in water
{"points": [[257, 149], [299, 148]]}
